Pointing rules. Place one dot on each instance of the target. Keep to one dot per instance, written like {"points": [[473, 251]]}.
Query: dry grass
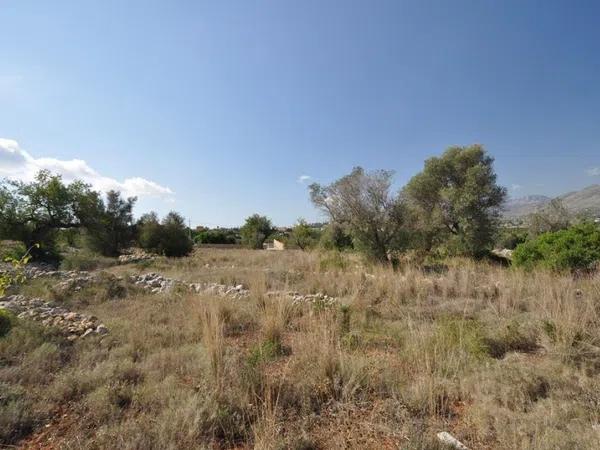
{"points": [[499, 358]]}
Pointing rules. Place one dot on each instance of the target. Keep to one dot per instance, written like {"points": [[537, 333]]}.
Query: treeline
{"points": [[48, 210]]}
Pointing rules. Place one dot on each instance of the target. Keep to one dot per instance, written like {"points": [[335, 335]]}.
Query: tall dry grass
{"points": [[499, 357]]}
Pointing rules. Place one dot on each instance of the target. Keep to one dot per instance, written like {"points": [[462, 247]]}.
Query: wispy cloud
{"points": [[593, 171], [516, 187], [18, 164], [304, 178]]}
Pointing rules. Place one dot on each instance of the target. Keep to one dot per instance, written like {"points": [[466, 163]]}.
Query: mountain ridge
{"points": [[579, 201]]}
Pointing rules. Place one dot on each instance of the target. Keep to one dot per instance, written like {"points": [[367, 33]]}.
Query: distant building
{"points": [[275, 245]]}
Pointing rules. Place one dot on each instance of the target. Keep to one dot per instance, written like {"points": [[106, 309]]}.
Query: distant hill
{"points": [[585, 200], [520, 207]]}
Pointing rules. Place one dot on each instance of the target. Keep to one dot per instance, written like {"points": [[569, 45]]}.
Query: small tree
{"points": [[456, 200], [303, 236], [362, 203], [113, 231], [255, 231], [169, 237], [175, 238]]}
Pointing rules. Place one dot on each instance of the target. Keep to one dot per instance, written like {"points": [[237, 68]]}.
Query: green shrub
{"points": [[6, 322], [576, 248], [11, 250], [169, 237]]}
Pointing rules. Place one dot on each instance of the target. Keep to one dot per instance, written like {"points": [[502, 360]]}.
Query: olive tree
{"points": [[362, 203], [113, 230], [255, 231], [33, 212], [303, 235], [456, 201], [169, 237]]}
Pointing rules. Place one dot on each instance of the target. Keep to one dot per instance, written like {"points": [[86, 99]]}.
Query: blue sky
{"points": [[215, 109]]}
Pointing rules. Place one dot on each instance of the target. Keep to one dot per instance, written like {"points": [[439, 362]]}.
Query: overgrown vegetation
{"points": [[574, 248], [500, 358], [46, 209]]}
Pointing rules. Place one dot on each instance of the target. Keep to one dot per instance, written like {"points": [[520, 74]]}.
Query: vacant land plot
{"points": [[379, 359]]}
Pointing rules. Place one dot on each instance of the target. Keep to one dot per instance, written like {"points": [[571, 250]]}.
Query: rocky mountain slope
{"points": [[585, 200]]}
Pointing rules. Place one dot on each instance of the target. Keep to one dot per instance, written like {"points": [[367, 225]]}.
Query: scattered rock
{"points": [[69, 323], [450, 440], [135, 255], [156, 284], [318, 300]]}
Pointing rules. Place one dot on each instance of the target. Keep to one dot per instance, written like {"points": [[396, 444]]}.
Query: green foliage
{"points": [[6, 322], [334, 237], [576, 248], [456, 201], [511, 237], [16, 275], [303, 235], [112, 230], [34, 212], [169, 237], [255, 231], [175, 236], [216, 236], [362, 203]]}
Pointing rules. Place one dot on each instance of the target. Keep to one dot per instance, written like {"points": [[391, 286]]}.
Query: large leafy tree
{"points": [[456, 200], [33, 212], [362, 203], [255, 231]]}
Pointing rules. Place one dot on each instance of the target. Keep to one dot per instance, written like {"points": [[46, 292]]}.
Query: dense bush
{"points": [[216, 236], [576, 248], [255, 231], [169, 237]]}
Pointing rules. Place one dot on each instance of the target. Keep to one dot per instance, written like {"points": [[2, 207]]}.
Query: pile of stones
{"points": [[222, 290], [156, 284], [71, 324], [316, 300], [135, 255], [153, 282]]}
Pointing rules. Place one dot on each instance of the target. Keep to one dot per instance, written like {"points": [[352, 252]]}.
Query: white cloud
{"points": [[593, 171], [516, 187], [303, 178], [17, 164]]}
